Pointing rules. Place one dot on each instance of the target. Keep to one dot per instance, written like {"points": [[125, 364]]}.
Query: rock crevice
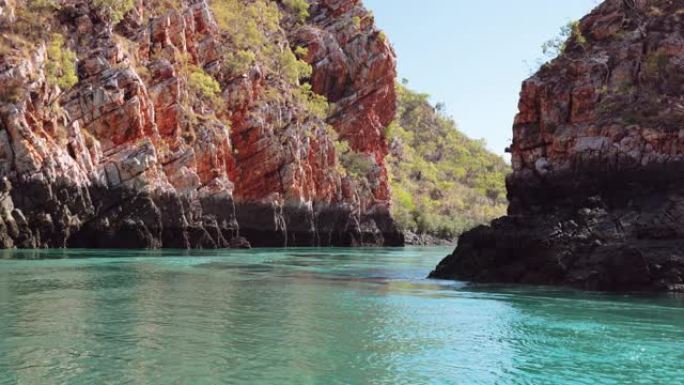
{"points": [[135, 154], [598, 153]]}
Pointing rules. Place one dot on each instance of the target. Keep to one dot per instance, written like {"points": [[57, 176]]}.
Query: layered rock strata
{"points": [[597, 194], [132, 156]]}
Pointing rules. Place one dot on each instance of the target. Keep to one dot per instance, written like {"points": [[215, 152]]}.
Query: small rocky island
{"points": [[597, 189]]}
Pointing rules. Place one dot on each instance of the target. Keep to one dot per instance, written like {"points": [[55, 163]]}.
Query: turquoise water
{"points": [[341, 316]]}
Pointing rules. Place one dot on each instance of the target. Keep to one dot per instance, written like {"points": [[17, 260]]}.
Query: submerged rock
{"points": [[596, 195]]}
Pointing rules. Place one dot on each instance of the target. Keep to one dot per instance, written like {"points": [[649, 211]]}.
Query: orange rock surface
{"points": [[132, 126]]}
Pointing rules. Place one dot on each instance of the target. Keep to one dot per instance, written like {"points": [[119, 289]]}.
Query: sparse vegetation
{"points": [[382, 36], [301, 52], [34, 19], [43, 5], [252, 29], [248, 26], [442, 182], [291, 68], [240, 62], [60, 67], [568, 33], [115, 9], [357, 165], [300, 8], [13, 91], [33, 27], [316, 104], [656, 63], [202, 83], [349, 162], [357, 22]]}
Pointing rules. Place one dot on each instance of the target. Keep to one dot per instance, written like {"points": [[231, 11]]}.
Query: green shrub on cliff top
{"points": [[442, 182], [556, 46]]}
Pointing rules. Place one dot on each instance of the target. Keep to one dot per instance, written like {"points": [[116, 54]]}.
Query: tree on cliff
{"points": [[442, 182]]}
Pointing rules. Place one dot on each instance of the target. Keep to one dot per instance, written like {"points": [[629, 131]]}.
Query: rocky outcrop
{"points": [[354, 67], [596, 196], [136, 155]]}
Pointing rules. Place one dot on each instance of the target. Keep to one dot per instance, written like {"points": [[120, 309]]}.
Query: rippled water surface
{"points": [[340, 316]]}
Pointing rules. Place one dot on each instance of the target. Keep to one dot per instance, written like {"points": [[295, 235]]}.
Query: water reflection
{"points": [[314, 317]]}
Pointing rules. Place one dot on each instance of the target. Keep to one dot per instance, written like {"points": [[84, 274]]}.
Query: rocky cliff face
{"points": [[174, 133], [596, 195]]}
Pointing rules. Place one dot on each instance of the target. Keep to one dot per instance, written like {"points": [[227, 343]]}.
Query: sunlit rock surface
{"points": [[131, 157], [596, 195]]}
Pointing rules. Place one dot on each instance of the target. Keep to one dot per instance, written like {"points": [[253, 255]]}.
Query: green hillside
{"points": [[442, 181]]}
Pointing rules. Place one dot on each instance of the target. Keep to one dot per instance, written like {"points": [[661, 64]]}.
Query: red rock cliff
{"points": [[598, 150], [137, 153]]}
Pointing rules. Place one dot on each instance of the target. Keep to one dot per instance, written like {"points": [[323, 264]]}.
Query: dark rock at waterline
{"points": [[422, 239], [43, 215], [297, 225], [603, 244], [129, 155], [596, 194]]}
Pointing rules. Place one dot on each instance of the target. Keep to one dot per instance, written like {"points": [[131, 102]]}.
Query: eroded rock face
{"points": [[355, 67], [598, 150], [131, 157]]}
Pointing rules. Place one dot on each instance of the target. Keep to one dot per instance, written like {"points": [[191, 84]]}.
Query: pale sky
{"points": [[473, 54]]}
